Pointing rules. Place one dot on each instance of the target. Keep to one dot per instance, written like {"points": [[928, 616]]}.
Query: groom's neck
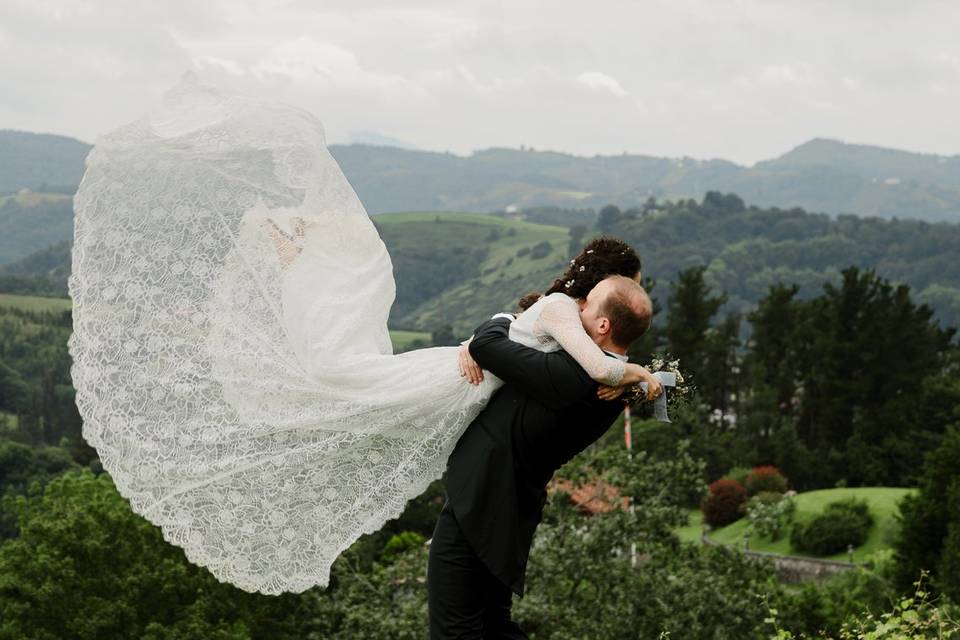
{"points": [[607, 345]]}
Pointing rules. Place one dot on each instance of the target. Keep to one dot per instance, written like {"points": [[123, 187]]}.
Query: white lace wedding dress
{"points": [[230, 349]]}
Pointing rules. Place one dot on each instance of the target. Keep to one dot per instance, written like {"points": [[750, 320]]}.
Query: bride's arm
{"points": [[553, 379], [561, 319]]}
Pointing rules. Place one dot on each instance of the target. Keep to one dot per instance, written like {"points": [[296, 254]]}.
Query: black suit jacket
{"points": [[497, 474]]}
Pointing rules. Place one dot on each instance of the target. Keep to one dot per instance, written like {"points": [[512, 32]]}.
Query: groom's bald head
{"points": [[629, 309], [616, 312]]}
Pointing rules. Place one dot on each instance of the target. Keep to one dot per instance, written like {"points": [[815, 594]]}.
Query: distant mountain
{"points": [[821, 175], [40, 162], [834, 177], [870, 162], [378, 139]]}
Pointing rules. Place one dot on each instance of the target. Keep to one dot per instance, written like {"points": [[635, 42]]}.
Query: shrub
{"points": [[540, 250], [739, 474], [769, 513], [842, 523], [859, 508], [765, 479], [723, 505], [399, 543], [812, 613]]}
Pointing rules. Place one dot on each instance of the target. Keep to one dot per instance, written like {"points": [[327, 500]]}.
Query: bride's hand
{"points": [[635, 373], [469, 368], [605, 392], [654, 388], [289, 246]]}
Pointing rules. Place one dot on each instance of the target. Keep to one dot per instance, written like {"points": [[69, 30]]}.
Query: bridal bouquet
{"points": [[670, 376]]}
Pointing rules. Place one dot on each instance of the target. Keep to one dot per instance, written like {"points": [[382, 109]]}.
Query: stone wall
{"points": [[794, 569]]}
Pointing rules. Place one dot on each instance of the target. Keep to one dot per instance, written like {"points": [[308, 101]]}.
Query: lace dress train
{"points": [[244, 400]]}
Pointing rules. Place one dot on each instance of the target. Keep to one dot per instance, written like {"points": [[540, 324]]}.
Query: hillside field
{"points": [[456, 269], [34, 303]]}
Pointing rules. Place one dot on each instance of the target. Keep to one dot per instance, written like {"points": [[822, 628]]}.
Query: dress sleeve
{"points": [[561, 319], [552, 378]]}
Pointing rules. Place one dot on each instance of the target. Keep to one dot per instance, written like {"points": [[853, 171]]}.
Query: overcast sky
{"points": [[744, 80]]}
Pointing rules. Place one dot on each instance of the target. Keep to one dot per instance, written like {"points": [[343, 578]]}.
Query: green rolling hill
{"points": [[31, 222], [456, 269]]}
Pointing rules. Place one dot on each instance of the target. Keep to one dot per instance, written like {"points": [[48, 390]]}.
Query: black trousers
{"points": [[466, 601]]}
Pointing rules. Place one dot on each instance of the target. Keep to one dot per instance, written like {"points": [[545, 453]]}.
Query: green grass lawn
{"points": [[883, 506], [34, 303]]}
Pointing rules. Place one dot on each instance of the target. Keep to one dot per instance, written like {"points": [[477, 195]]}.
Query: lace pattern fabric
{"points": [[243, 396]]}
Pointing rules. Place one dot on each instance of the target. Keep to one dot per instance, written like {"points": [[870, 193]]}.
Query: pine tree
{"points": [[690, 308]]}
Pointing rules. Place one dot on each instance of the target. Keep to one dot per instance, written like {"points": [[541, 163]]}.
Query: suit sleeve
{"points": [[553, 379]]}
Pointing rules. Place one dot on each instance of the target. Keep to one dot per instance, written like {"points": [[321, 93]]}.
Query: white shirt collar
{"points": [[618, 356]]}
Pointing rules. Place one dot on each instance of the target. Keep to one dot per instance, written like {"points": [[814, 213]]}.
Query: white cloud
{"points": [[601, 81], [230, 66], [741, 79], [323, 63]]}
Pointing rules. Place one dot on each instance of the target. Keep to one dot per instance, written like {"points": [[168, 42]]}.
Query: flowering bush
{"points": [[765, 479], [723, 505], [769, 513]]}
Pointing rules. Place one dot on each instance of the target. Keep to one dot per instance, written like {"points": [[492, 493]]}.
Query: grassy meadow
{"points": [[34, 303]]}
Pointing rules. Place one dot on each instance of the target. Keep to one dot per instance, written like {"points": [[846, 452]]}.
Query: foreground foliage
{"points": [[85, 566], [918, 617]]}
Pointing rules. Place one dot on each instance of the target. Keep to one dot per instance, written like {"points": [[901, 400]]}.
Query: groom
{"points": [[547, 412]]}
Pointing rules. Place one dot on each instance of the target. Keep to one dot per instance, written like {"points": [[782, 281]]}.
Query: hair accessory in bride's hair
{"points": [[601, 257]]}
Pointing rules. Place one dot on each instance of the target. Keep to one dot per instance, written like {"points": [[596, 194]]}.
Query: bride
{"points": [[230, 349]]}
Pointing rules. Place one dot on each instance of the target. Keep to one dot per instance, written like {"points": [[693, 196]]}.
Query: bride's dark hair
{"points": [[601, 257]]}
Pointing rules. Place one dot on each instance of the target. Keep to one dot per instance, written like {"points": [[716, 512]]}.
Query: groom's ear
{"points": [[603, 326]]}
